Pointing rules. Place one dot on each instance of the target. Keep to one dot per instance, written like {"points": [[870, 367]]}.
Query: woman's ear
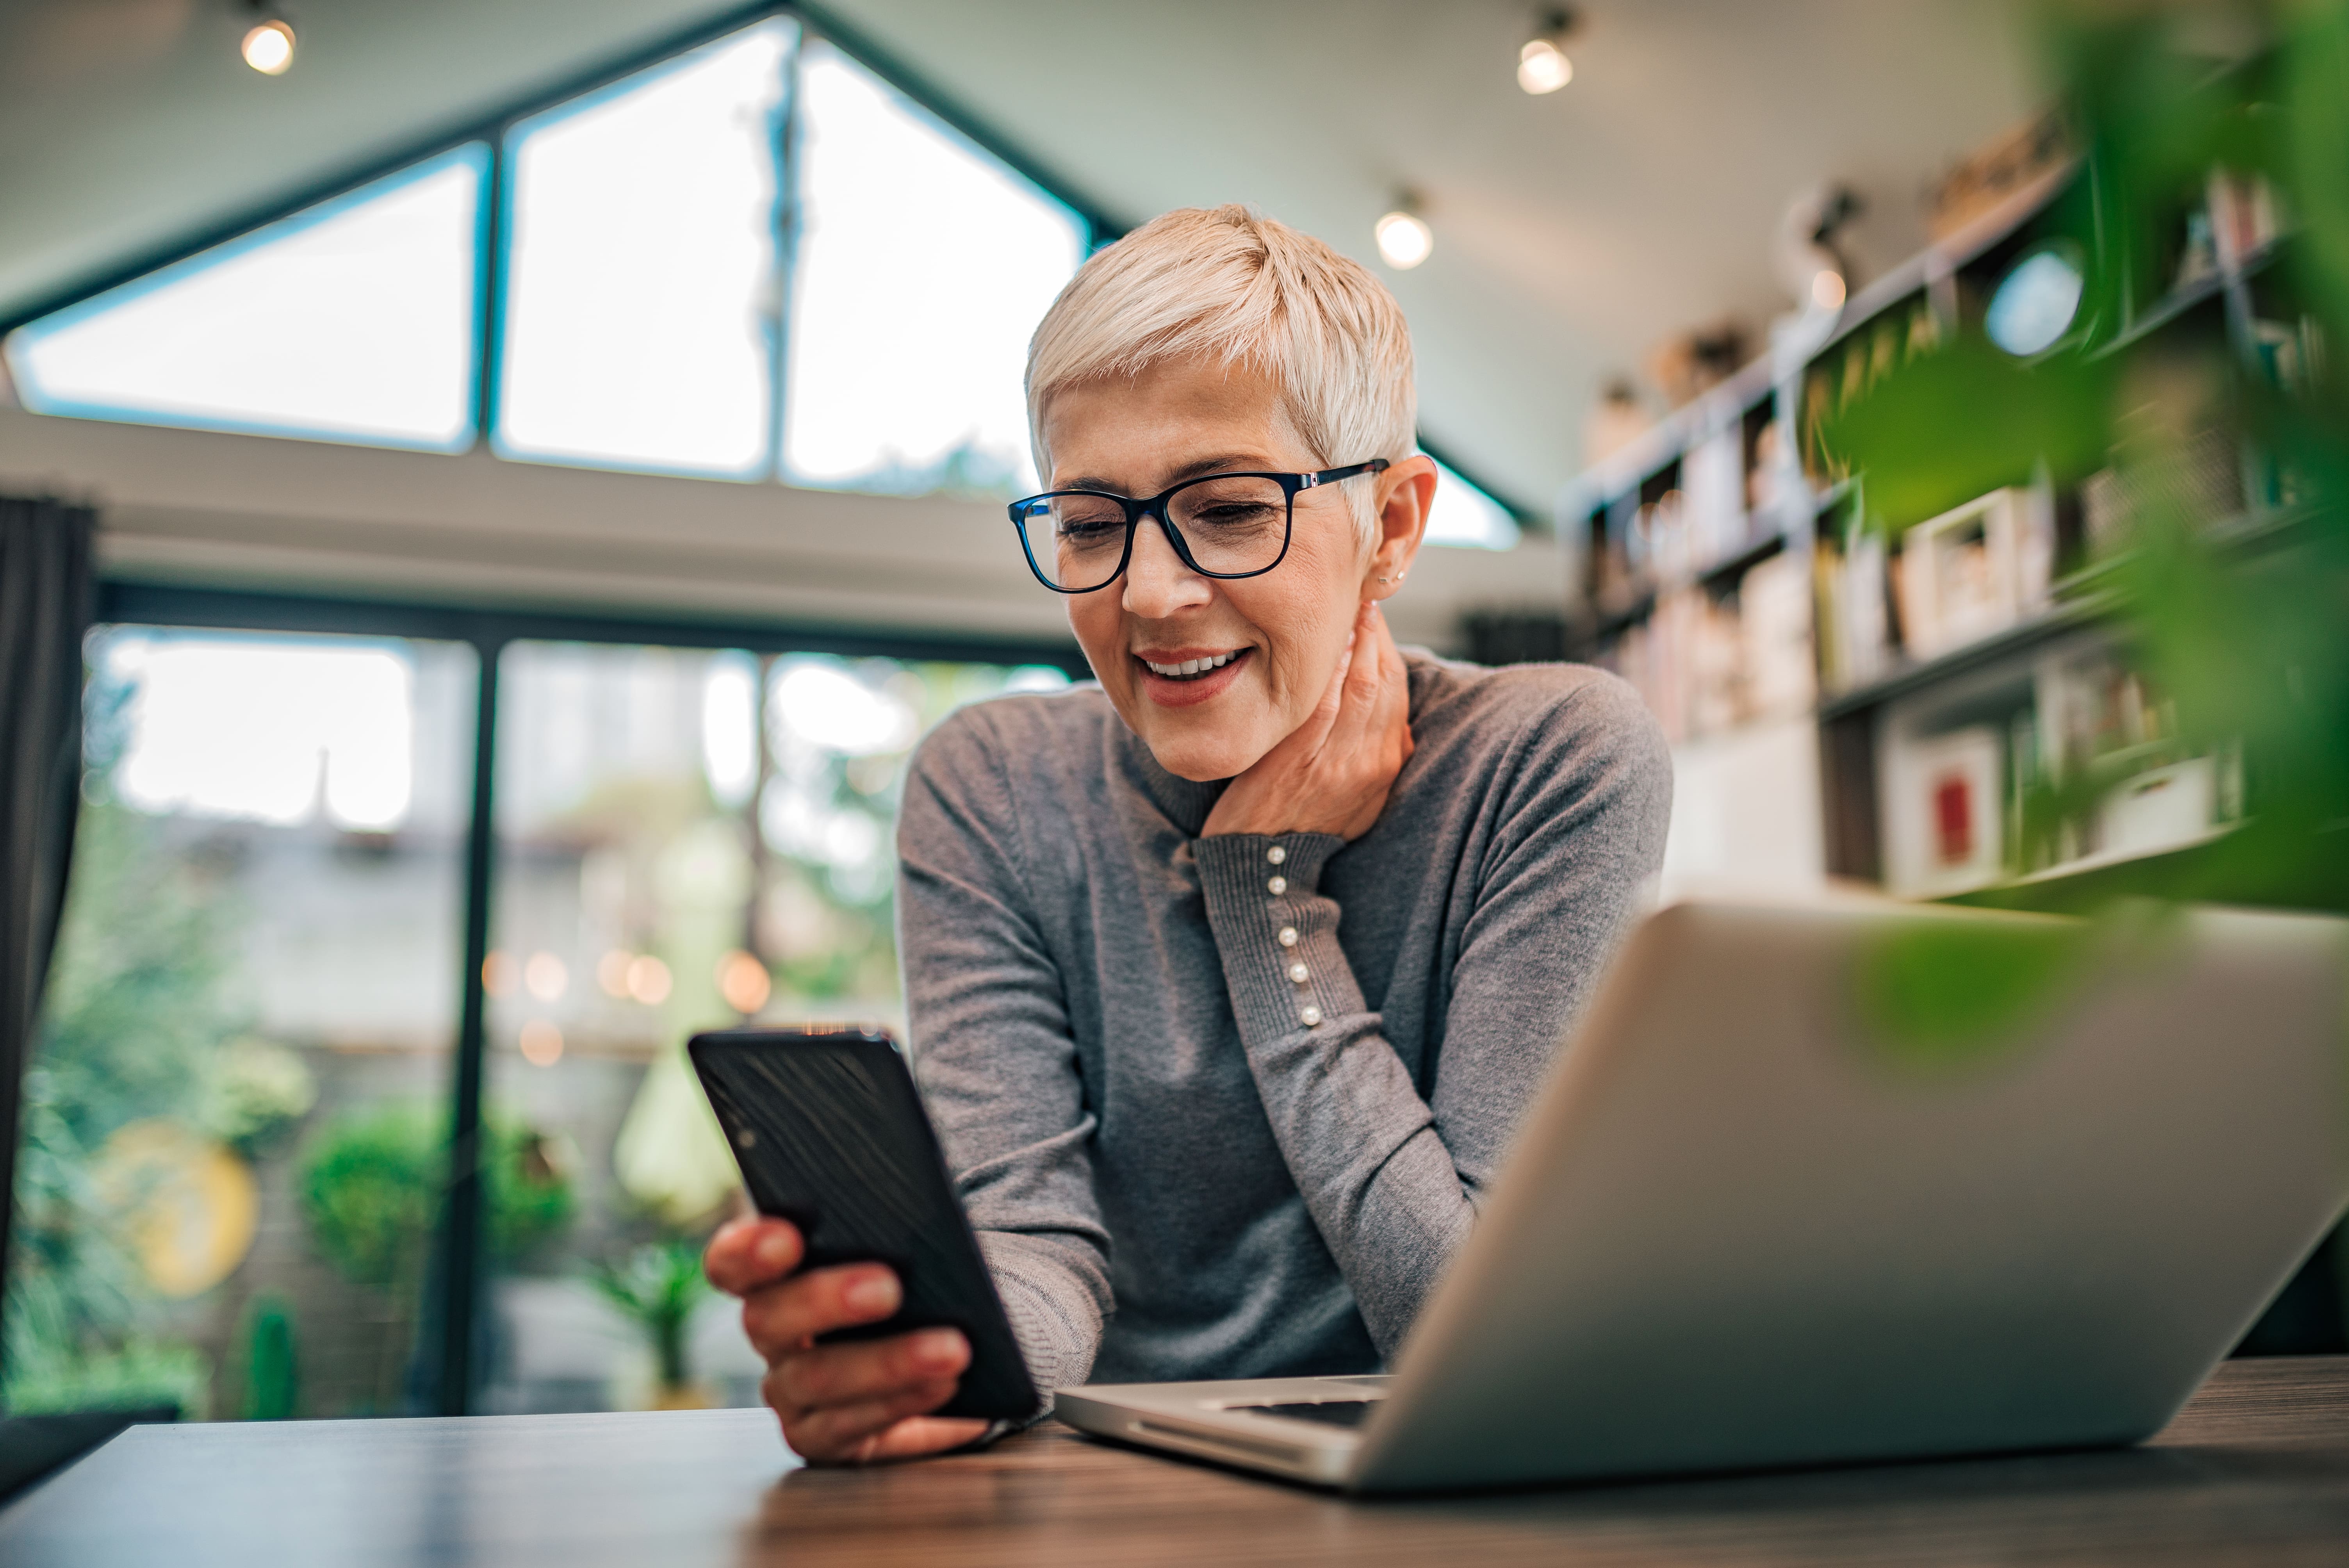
{"points": [[1405, 492]]}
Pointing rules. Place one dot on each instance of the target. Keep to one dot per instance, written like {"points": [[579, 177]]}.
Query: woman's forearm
{"points": [[1359, 1142]]}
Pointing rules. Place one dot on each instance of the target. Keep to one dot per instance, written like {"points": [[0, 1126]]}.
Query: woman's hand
{"points": [[1332, 773], [840, 1404]]}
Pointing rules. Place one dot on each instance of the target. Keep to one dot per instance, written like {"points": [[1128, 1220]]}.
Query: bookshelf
{"points": [[1976, 729]]}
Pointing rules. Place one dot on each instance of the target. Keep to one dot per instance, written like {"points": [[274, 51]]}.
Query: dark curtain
{"points": [[48, 596]]}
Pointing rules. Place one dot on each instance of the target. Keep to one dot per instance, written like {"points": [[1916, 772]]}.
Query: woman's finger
{"points": [[851, 1374], [1397, 674], [748, 1254], [854, 1434], [919, 1435], [1359, 712], [784, 1316]]}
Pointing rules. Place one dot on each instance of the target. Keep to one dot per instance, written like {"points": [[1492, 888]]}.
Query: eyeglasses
{"points": [[1221, 525]]}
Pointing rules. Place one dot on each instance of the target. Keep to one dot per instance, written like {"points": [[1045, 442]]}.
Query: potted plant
{"points": [[656, 1288]]}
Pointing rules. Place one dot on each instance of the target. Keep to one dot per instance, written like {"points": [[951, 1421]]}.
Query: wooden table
{"points": [[2255, 1471]]}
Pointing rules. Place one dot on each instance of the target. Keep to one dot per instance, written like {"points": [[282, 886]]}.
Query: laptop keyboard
{"points": [[1328, 1412]]}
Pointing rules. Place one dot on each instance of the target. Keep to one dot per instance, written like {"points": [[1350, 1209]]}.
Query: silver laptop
{"points": [[1845, 1183]]}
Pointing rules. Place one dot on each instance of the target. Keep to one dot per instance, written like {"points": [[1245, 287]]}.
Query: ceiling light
{"points": [[1404, 238], [269, 48], [1542, 65]]}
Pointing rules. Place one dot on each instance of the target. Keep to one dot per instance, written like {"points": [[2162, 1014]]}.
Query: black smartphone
{"points": [[828, 1129]]}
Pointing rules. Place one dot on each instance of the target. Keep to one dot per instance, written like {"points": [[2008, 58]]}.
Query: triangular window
{"points": [[922, 265], [353, 320], [640, 295]]}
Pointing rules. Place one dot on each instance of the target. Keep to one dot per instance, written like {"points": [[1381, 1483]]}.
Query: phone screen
{"points": [[828, 1132]]}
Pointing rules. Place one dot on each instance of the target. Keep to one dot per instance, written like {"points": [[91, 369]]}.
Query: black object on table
{"points": [[32, 1447]]}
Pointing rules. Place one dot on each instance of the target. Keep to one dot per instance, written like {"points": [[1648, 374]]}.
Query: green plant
{"points": [[370, 1186], [136, 1009], [134, 1372], [656, 1287], [272, 1369], [370, 1183]]}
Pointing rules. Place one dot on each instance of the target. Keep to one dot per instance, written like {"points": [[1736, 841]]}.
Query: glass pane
{"points": [[923, 267], [353, 320], [1466, 517], [669, 862], [232, 1141], [639, 313]]}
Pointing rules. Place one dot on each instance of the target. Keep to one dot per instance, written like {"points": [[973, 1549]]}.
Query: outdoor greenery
{"points": [[136, 1011], [370, 1183], [656, 1287]]}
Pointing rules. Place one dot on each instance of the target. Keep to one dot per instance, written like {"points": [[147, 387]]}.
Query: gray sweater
{"points": [[1181, 1160]]}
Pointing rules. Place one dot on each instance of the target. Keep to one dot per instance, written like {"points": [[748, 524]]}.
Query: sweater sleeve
{"points": [[994, 1053], [1392, 1178]]}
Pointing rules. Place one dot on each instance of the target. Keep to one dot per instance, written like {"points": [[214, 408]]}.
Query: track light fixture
{"points": [[1404, 239], [268, 45], [1542, 65]]}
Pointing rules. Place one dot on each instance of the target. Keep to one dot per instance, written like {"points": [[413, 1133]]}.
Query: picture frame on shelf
{"points": [[1976, 570], [1943, 829]]}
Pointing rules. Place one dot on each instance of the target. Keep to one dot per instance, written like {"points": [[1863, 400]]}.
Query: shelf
{"points": [[1606, 625], [2172, 306], [2245, 533], [2096, 879], [2028, 633], [1737, 563]]}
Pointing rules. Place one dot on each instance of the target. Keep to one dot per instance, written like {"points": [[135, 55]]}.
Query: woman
{"points": [[1203, 1129]]}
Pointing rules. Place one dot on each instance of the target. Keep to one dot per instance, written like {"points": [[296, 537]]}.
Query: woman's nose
{"points": [[1157, 583]]}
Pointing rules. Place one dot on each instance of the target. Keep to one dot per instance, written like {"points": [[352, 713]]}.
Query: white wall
{"points": [[1745, 813], [266, 512]]}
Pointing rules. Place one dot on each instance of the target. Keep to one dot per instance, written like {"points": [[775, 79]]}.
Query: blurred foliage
{"points": [[273, 1383], [1936, 993], [2242, 625], [136, 1372], [136, 1009], [656, 1287], [1965, 418], [370, 1184], [254, 1091]]}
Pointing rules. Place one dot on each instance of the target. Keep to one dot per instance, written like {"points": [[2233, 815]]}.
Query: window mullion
{"points": [[787, 229]]}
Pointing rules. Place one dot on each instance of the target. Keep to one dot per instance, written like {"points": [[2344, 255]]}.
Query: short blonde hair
{"points": [[1234, 285]]}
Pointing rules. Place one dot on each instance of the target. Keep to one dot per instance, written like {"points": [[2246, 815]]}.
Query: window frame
{"points": [[448, 1334], [494, 227]]}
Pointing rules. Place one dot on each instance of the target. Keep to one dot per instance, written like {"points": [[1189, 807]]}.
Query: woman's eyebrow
{"points": [[1192, 470]]}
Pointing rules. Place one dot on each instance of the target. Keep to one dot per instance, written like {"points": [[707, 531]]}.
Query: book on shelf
{"points": [[1708, 662]]}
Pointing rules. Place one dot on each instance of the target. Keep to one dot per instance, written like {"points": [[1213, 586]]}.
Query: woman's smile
{"points": [[1180, 677]]}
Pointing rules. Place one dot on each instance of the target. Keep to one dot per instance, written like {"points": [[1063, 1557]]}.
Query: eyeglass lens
{"points": [[1231, 524]]}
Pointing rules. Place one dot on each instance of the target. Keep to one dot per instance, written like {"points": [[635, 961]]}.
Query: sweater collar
{"points": [[1185, 801]]}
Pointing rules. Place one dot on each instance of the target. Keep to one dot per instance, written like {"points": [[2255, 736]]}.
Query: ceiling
{"points": [[1573, 232]]}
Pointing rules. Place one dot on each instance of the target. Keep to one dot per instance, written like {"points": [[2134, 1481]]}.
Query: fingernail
{"points": [[775, 1251], [940, 1347], [876, 1294]]}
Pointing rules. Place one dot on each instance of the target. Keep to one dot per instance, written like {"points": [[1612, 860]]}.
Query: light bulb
{"points": [[1404, 240], [269, 48], [1826, 289], [1543, 68]]}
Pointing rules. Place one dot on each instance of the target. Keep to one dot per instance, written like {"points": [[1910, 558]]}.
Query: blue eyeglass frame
{"points": [[1155, 508]]}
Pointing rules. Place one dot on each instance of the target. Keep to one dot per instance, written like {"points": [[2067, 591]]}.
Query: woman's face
{"points": [[1281, 634]]}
